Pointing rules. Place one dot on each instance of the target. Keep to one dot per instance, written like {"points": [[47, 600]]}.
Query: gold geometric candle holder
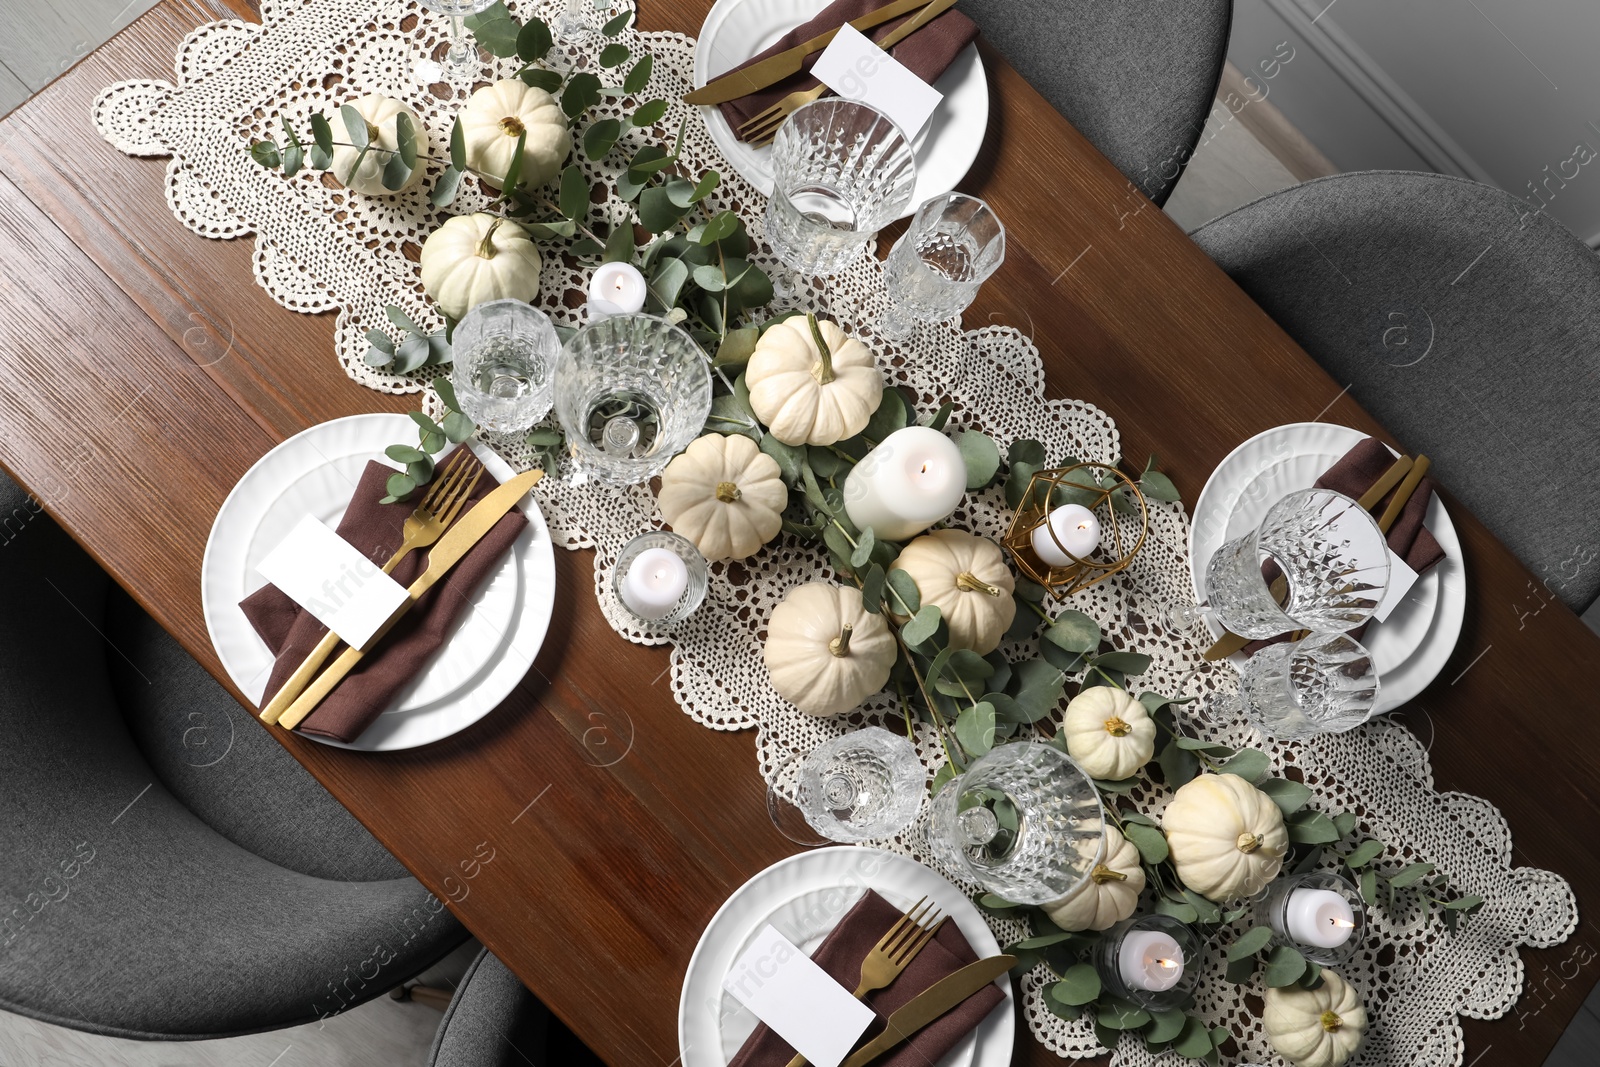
{"points": [[1121, 535]]}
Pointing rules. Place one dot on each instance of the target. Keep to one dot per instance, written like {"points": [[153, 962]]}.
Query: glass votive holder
{"points": [[660, 579], [1151, 960], [1319, 913]]}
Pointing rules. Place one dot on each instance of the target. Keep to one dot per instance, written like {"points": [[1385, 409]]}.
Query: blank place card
{"points": [[857, 69], [803, 1005], [323, 573]]}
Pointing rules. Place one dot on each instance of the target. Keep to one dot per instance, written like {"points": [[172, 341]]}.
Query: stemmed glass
{"points": [[461, 62], [1323, 683], [860, 786], [574, 23], [954, 243], [505, 353]]}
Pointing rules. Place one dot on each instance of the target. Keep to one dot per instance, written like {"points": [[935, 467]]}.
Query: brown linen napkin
{"points": [[1353, 475], [841, 953], [926, 53], [376, 530]]}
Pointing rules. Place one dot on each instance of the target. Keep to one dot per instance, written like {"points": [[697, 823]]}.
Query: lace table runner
{"points": [[319, 248]]}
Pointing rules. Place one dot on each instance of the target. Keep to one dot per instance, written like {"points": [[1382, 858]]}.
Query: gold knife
{"points": [[929, 1005], [774, 69], [467, 531]]}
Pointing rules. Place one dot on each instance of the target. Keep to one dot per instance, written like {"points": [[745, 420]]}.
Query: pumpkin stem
{"points": [[1248, 842], [512, 126], [1103, 874], [840, 646], [1330, 1021], [486, 249], [373, 133], [727, 492], [824, 372], [1117, 728], [968, 582]]}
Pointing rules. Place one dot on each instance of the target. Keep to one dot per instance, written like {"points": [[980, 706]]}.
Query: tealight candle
{"points": [[616, 289], [1075, 528], [1150, 959], [915, 478], [654, 583], [1318, 917]]}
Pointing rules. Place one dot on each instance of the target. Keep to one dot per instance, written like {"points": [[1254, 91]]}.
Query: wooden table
{"points": [[145, 371]]}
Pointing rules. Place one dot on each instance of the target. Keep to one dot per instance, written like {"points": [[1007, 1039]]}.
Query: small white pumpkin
{"points": [[1109, 733], [496, 115], [381, 114], [474, 258], [1319, 1027], [966, 577], [1226, 836], [808, 393], [825, 653], [725, 495], [1110, 893]]}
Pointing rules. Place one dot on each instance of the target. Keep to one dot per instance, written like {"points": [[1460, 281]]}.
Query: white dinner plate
{"points": [[1262, 462], [804, 897], [493, 644], [736, 30]]}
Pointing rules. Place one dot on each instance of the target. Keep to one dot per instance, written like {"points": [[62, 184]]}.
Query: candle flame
{"points": [[1341, 923], [1167, 965], [924, 468]]}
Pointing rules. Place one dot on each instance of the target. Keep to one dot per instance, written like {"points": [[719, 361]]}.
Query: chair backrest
{"points": [[1136, 78], [1467, 323]]}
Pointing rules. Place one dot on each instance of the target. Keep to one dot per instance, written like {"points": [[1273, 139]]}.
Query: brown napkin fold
{"points": [[1353, 475], [926, 53], [376, 531], [841, 953]]}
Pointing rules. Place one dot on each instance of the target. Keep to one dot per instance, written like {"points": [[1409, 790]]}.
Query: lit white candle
{"points": [[615, 289], [1150, 960], [909, 482], [1318, 917], [654, 583], [1075, 528]]}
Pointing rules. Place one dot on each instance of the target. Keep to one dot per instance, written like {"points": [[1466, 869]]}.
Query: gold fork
{"points": [[894, 951], [434, 514], [762, 128]]}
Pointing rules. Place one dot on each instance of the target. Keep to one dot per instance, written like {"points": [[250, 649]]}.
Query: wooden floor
{"points": [[1242, 156]]}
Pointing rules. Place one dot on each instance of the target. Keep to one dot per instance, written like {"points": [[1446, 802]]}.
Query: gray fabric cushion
{"points": [[1467, 325], [1137, 80], [121, 912], [493, 1021]]}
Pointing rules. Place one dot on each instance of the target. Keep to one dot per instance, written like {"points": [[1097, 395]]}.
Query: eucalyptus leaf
{"points": [[862, 554], [266, 153], [1120, 1014], [458, 427], [941, 778], [1290, 796], [1284, 966], [975, 728], [1165, 1026], [981, 456], [355, 126], [614, 55], [1240, 971], [534, 41], [322, 133], [1074, 631], [1195, 1040], [904, 596], [1151, 843], [513, 174], [1250, 764], [601, 137], [498, 36], [937, 420], [400, 485], [1250, 942], [1158, 486], [1079, 985], [1410, 875], [1369, 887], [923, 625], [1310, 828], [657, 212], [617, 24], [1178, 765], [639, 76], [1346, 822], [404, 454], [648, 114], [1364, 853], [446, 188], [412, 353], [1130, 663], [582, 93], [548, 80]]}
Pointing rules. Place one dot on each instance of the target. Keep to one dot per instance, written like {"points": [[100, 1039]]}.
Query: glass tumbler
{"points": [[1324, 683], [841, 170], [862, 785], [1328, 550], [631, 392], [955, 242], [504, 358], [1023, 822]]}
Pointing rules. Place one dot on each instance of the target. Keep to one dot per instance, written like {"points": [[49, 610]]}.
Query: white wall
{"points": [[1495, 90]]}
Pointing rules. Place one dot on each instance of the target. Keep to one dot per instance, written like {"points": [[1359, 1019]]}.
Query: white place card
{"points": [[857, 69], [796, 998], [1401, 579], [323, 573]]}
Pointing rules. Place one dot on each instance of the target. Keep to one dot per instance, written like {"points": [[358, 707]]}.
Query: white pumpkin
{"points": [[382, 113], [811, 394], [825, 653], [1226, 836], [966, 577], [474, 258], [1108, 733], [1319, 1027], [725, 495], [1110, 893], [496, 115]]}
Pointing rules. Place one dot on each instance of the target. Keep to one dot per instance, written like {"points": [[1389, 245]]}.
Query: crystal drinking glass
{"points": [[631, 392], [1324, 683], [505, 354], [1326, 547], [861, 786], [1023, 822], [841, 170], [461, 62], [955, 242], [576, 21]]}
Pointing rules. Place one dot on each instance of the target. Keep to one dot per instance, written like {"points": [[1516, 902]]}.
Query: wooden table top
{"points": [[143, 363]]}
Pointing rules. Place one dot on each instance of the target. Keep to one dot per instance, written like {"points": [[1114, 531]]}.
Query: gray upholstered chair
{"points": [[1136, 79], [492, 1021], [167, 870], [1466, 323]]}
